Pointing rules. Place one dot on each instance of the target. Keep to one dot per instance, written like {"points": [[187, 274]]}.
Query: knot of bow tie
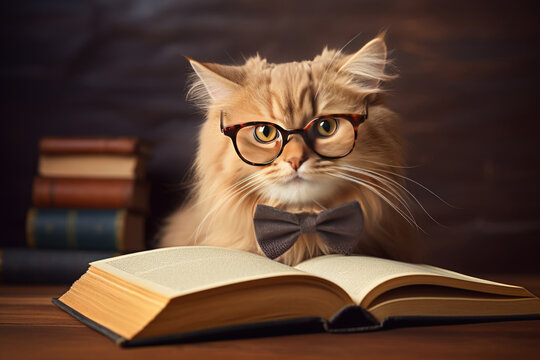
{"points": [[339, 228]]}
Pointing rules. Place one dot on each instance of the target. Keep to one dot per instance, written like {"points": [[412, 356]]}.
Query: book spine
{"points": [[33, 266], [103, 166], [82, 145], [89, 193], [77, 229]]}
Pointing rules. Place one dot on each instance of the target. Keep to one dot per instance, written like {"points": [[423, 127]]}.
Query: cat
{"points": [[225, 189]]}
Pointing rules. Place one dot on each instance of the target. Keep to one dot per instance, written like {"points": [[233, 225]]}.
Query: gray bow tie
{"points": [[339, 228]]}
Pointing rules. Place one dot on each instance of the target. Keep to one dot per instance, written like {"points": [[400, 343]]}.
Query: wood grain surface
{"points": [[32, 328]]}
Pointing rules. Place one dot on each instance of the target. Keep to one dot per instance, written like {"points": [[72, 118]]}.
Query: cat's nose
{"points": [[295, 162], [295, 153]]}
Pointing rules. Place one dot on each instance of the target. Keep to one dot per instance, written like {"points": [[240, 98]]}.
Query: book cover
{"points": [[342, 323], [177, 293], [93, 145], [34, 266], [85, 229], [108, 166], [90, 193]]}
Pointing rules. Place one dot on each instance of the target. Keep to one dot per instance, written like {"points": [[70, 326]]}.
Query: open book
{"points": [[159, 294]]}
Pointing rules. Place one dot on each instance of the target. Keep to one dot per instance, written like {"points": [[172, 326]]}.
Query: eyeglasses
{"points": [[329, 136]]}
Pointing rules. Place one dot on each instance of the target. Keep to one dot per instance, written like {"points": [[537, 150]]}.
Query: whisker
{"points": [[355, 180], [381, 178], [232, 196], [389, 182], [388, 165], [419, 184], [241, 181], [397, 196], [391, 190], [261, 184], [376, 192], [228, 196], [320, 205]]}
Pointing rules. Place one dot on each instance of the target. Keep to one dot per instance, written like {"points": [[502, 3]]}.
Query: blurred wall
{"points": [[468, 94]]}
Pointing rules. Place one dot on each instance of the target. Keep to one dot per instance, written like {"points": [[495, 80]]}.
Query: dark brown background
{"points": [[468, 94]]}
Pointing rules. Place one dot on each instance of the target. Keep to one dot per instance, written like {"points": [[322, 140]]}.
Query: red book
{"points": [[93, 157], [93, 145], [90, 193]]}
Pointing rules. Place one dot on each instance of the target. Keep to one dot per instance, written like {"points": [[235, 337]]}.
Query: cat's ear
{"points": [[368, 64], [215, 81]]}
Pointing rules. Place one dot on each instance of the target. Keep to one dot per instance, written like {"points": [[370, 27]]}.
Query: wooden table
{"points": [[31, 327]]}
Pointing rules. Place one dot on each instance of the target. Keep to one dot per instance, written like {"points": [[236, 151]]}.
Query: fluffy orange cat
{"points": [[226, 189]]}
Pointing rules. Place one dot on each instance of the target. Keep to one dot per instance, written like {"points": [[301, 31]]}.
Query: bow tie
{"points": [[339, 228]]}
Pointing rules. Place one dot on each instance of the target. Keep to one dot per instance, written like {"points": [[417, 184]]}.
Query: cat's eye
{"points": [[326, 127], [265, 133]]}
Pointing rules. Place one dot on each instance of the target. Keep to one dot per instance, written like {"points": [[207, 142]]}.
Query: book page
{"points": [[181, 270], [358, 275]]}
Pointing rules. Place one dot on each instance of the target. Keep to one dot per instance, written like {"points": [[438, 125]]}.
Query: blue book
{"points": [[33, 266], [87, 229]]}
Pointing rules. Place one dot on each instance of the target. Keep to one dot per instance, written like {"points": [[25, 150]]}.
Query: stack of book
{"points": [[90, 201]]}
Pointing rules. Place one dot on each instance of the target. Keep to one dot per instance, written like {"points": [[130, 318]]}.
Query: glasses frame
{"points": [[232, 130]]}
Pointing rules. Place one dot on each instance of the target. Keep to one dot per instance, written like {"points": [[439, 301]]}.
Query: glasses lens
{"points": [[259, 144], [332, 136]]}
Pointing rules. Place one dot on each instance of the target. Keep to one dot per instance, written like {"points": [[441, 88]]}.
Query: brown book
{"points": [[93, 145], [163, 294], [90, 193], [117, 166]]}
